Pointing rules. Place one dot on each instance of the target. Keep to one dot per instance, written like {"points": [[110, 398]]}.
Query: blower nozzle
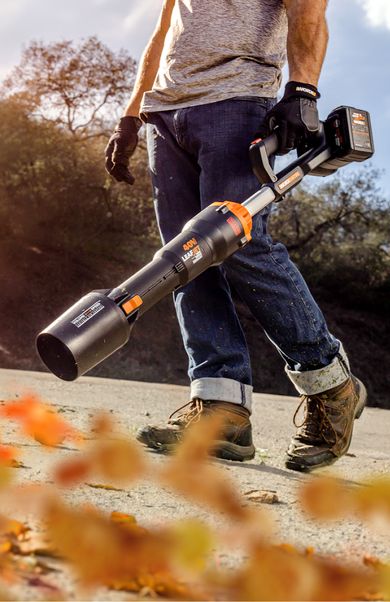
{"points": [[87, 333]]}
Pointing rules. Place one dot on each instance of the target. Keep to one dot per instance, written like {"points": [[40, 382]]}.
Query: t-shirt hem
{"points": [[157, 107]]}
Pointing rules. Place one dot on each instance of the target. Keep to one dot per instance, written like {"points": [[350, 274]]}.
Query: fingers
{"points": [[284, 132], [286, 137], [291, 140], [108, 153], [120, 148], [121, 173], [117, 164]]}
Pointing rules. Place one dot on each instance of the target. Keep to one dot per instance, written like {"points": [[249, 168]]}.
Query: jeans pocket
{"points": [[265, 102]]}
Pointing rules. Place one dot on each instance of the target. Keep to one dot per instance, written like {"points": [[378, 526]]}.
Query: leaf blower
{"points": [[101, 322]]}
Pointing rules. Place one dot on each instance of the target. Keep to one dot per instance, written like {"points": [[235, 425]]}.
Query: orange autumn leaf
{"points": [[285, 573], [8, 456], [191, 544], [118, 460], [69, 473], [103, 486], [104, 551], [325, 498], [39, 420], [190, 468], [102, 424], [12, 527], [373, 498], [121, 460], [5, 546], [118, 553], [122, 518], [330, 498], [162, 584]]}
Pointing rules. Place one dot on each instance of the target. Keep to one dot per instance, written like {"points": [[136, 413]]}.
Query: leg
{"points": [[276, 293], [211, 331], [262, 273]]}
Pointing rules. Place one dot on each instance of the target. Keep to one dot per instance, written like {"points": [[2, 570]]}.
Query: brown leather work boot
{"points": [[326, 431], [235, 441]]}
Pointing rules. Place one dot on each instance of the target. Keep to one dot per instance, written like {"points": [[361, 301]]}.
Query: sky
{"points": [[356, 70]]}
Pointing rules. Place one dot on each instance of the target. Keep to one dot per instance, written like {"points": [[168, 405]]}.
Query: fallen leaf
{"points": [[119, 460], [39, 421], [102, 486], [262, 496], [190, 468], [102, 424], [35, 544], [71, 472], [39, 582], [5, 546], [191, 543], [373, 498], [8, 456], [325, 498], [122, 518], [12, 527]]}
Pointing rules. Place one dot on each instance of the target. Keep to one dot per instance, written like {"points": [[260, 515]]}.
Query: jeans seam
{"points": [[307, 309]]}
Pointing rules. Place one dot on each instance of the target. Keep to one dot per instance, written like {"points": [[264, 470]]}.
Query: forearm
{"points": [[307, 39], [146, 75], [150, 60]]}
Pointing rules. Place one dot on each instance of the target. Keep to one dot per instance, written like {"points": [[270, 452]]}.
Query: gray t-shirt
{"points": [[219, 49]]}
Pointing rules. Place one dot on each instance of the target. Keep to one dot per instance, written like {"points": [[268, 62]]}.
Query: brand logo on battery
{"points": [[359, 118]]}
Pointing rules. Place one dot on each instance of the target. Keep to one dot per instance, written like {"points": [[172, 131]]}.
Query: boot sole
{"points": [[301, 467], [221, 449], [231, 451]]}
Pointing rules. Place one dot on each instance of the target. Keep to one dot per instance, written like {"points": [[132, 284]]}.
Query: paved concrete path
{"points": [[134, 404]]}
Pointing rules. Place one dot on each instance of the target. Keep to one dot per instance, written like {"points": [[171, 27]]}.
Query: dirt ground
{"points": [[134, 404]]}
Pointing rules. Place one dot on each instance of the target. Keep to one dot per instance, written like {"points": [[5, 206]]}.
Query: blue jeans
{"points": [[199, 155]]}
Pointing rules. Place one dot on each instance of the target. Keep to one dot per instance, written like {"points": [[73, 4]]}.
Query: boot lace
{"points": [[325, 426], [192, 413]]}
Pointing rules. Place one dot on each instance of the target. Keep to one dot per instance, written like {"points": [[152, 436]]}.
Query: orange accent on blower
{"points": [[242, 214], [131, 304]]}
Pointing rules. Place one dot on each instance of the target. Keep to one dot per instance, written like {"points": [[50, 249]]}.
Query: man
{"points": [[206, 85]]}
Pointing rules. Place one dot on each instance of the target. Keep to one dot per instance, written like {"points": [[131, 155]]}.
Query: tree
{"points": [[79, 87], [339, 234], [58, 107]]}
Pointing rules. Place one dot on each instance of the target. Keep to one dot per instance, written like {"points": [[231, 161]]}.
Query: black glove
{"points": [[121, 147], [295, 117]]}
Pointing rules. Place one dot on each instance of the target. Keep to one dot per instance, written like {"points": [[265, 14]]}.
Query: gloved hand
{"points": [[121, 147], [295, 117]]}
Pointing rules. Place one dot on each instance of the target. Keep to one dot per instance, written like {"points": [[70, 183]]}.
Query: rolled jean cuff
{"points": [[223, 389], [312, 382]]}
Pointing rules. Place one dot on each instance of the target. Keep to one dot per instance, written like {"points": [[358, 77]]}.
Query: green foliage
{"points": [[339, 234], [56, 112]]}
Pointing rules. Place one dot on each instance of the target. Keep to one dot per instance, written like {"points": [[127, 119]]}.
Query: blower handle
{"points": [[260, 152], [271, 144]]}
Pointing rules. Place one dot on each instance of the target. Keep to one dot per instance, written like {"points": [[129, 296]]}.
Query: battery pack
{"points": [[349, 134]]}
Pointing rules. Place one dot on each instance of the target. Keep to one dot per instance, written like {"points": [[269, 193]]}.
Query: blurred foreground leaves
{"points": [[181, 559]]}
